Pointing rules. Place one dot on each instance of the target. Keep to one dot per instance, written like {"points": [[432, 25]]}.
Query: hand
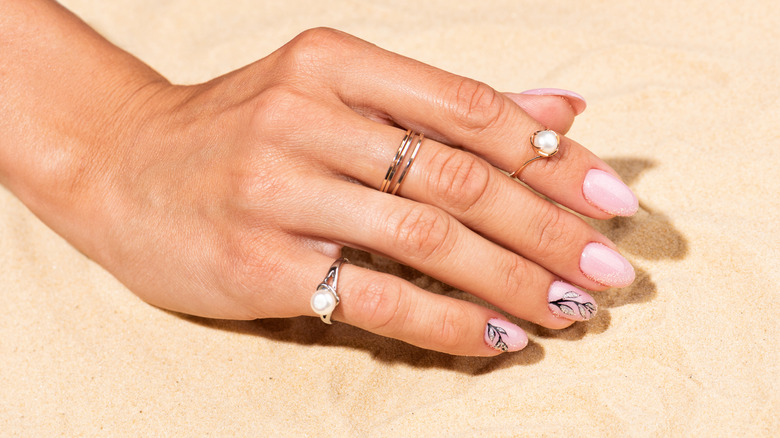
{"points": [[231, 199]]}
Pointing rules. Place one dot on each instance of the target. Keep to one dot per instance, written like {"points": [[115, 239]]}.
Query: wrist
{"points": [[55, 155], [71, 104]]}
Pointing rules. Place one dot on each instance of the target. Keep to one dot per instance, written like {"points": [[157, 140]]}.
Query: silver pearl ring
{"points": [[545, 144], [326, 297]]}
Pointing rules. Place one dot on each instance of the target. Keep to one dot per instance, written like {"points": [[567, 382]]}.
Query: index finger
{"points": [[466, 113]]}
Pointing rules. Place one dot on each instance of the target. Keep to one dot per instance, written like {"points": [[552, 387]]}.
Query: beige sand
{"points": [[683, 102]]}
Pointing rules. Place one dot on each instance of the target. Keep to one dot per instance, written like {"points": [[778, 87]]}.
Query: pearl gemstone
{"points": [[323, 301], [546, 142]]}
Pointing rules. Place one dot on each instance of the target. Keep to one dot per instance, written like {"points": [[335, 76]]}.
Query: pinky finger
{"points": [[392, 307]]}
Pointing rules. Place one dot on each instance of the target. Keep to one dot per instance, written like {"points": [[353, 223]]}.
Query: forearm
{"points": [[65, 94]]}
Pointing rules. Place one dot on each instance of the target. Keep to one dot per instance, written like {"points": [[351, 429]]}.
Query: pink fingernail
{"points": [[566, 301], [505, 336], [604, 265], [609, 194], [575, 99]]}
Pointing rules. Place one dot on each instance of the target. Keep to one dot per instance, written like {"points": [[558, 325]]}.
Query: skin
{"points": [[230, 199]]}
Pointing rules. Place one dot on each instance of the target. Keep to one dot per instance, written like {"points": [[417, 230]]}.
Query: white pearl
{"points": [[546, 142], [323, 301]]}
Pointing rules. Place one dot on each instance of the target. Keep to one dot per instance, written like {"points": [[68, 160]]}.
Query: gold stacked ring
{"points": [[393, 179]]}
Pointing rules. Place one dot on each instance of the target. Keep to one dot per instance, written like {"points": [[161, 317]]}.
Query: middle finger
{"points": [[485, 200]]}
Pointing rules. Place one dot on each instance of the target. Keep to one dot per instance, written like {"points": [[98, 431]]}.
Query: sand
{"points": [[683, 101]]}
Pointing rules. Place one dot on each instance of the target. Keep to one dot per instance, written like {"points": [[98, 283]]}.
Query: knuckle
{"points": [[421, 232], [254, 190], [278, 122], [275, 108], [321, 38], [449, 333], [551, 234], [248, 263], [514, 272], [247, 266], [308, 51], [459, 180], [379, 306], [475, 105]]}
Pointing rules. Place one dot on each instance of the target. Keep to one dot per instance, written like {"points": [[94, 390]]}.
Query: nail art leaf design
{"points": [[565, 309], [586, 309], [569, 301], [494, 334]]}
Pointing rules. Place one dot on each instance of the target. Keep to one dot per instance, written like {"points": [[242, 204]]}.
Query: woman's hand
{"points": [[232, 198]]}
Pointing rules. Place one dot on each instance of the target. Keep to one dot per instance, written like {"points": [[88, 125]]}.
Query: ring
{"points": [[545, 144], [401, 155], [325, 298]]}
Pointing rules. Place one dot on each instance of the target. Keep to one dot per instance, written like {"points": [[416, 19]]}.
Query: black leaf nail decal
{"points": [[494, 334], [569, 301]]}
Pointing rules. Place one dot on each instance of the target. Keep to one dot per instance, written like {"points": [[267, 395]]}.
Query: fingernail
{"points": [[505, 336], [609, 194], [575, 99], [604, 265], [566, 301]]}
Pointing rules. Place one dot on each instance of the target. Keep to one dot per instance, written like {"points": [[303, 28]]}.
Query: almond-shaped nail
{"points": [[606, 266], [569, 302], [576, 100], [504, 336], [609, 194]]}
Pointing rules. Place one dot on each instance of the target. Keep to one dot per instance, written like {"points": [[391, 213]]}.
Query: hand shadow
{"points": [[649, 235], [312, 332]]}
